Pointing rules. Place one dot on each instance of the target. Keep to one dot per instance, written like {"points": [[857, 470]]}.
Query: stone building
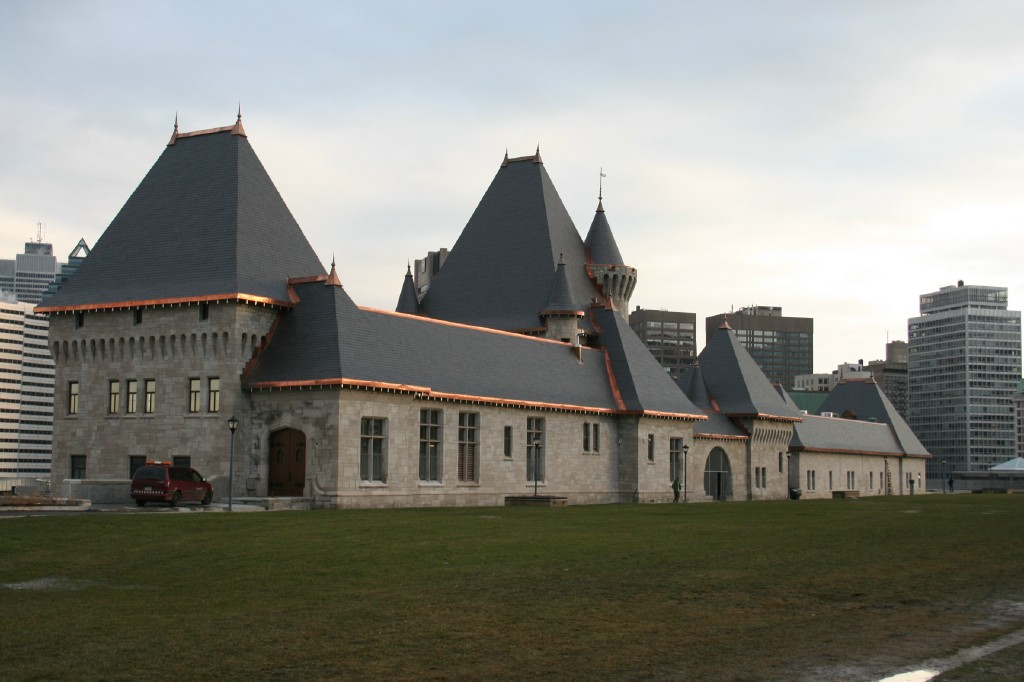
{"points": [[515, 372]]}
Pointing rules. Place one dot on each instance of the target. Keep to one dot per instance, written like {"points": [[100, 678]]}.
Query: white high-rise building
{"points": [[26, 392], [964, 368]]}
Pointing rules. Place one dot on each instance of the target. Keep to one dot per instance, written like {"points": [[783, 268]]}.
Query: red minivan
{"points": [[164, 482]]}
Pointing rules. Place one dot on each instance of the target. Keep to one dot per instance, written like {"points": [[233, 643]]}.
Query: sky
{"points": [[836, 159]]}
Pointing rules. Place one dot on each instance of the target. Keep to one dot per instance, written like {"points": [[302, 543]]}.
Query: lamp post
{"points": [[686, 448], [232, 424]]}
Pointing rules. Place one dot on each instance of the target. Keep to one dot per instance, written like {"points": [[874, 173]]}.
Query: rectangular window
{"points": [[77, 466], [194, 395], [79, 320], [650, 447], [851, 481], [596, 436], [213, 394], [182, 461], [430, 445], [535, 448], [586, 436], [469, 445], [132, 399], [137, 316], [373, 465], [780, 462], [811, 480], [508, 441], [204, 311], [134, 462], [830, 481], [150, 404], [73, 397], [871, 480], [675, 457], [114, 397]]}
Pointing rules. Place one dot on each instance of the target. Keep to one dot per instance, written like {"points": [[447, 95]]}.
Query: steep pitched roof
{"points": [[600, 241], [407, 300], [499, 273], [562, 299], [863, 399], [736, 383], [692, 384], [205, 222], [364, 347], [643, 384]]}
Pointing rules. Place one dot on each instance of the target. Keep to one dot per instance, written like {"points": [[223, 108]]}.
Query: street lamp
{"points": [[232, 424], [686, 448]]}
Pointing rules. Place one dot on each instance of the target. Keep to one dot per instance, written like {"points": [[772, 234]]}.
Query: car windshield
{"points": [[150, 474]]}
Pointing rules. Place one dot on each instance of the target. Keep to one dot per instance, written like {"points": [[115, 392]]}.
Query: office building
{"points": [[28, 274], [670, 336], [964, 368], [891, 374], [783, 347], [26, 392]]}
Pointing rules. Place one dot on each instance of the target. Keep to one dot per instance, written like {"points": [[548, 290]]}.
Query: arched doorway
{"points": [[718, 475], [287, 476]]}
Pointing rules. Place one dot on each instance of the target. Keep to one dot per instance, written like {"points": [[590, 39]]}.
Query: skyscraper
{"points": [[28, 275], [26, 392], [964, 368], [782, 347], [671, 336], [891, 375]]}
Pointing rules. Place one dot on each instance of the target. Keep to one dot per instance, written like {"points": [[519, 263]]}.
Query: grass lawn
{"points": [[846, 589]]}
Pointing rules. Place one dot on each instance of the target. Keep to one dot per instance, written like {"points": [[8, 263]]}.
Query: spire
{"points": [[237, 129], [332, 279], [561, 300], [407, 300], [600, 241], [174, 135], [600, 191]]}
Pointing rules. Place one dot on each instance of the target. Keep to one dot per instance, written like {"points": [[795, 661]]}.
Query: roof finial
{"points": [[174, 135], [332, 278], [505, 161], [600, 191], [238, 129], [536, 157]]}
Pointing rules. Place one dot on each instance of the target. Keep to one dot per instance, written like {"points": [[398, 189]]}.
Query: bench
{"points": [[845, 494]]}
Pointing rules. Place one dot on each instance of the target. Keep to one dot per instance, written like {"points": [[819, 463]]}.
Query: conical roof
{"points": [[600, 241], [205, 222], [692, 384], [407, 301], [562, 300], [499, 273], [736, 383]]}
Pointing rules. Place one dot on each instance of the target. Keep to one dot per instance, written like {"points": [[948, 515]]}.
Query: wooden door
{"points": [[287, 463]]}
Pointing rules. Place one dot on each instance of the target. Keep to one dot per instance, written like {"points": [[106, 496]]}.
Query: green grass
{"points": [[776, 590]]}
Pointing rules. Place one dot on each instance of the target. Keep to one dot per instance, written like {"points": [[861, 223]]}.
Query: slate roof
{"points": [[864, 399], [326, 339], [408, 302], [736, 383], [692, 384], [499, 273], [643, 384], [829, 434], [562, 299], [600, 241], [205, 222]]}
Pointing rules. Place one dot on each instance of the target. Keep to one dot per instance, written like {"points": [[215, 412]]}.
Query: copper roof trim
{"points": [[462, 325], [154, 302]]}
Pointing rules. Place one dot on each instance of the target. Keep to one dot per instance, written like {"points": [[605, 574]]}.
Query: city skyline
{"points": [[836, 161]]}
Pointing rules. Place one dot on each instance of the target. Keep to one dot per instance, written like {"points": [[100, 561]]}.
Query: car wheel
{"points": [[176, 499], [141, 503], [207, 498]]}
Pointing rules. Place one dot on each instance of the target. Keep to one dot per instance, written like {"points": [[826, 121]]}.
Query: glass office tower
{"points": [[964, 368]]}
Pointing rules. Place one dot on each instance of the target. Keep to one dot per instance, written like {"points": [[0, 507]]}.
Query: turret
{"points": [[605, 264], [562, 314]]}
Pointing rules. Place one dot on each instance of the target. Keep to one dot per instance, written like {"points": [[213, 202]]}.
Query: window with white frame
{"points": [[430, 445], [469, 445], [213, 394], [535, 449], [195, 387], [114, 396], [72, 397], [373, 461]]}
